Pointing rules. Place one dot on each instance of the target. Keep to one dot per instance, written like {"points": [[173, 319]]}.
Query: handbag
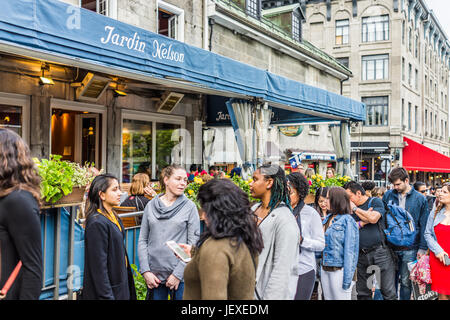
{"points": [[10, 280], [421, 273]]}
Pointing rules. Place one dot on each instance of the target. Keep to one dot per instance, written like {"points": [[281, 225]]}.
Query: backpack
{"points": [[399, 226]]}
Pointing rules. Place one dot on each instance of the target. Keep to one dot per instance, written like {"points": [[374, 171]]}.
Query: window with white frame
{"points": [[104, 7], [149, 143], [375, 28], [170, 21], [344, 61], [342, 27], [377, 111], [426, 122], [403, 69], [416, 119], [416, 79], [409, 116], [375, 67], [409, 74]]}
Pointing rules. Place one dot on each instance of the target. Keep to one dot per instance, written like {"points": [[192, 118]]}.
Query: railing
{"points": [[63, 250]]}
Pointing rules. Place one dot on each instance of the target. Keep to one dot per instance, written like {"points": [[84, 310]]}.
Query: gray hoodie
{"points": [[180, 222]]}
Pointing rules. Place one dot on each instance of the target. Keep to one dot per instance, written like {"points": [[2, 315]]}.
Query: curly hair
{"points": [[229, 215], [300, 183], [17, 169]]}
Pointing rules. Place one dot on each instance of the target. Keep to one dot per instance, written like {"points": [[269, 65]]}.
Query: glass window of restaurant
{"points": [[15, 114], [149, 143]]}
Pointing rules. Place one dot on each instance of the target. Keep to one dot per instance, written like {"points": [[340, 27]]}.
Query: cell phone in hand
{"points": [[446, 260], [178, 251]]}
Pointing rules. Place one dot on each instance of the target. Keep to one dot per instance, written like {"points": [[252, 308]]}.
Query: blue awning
{"points": [[56, 28]]}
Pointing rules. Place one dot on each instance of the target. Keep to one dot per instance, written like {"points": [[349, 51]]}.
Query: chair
{"points": [[128, 222]]}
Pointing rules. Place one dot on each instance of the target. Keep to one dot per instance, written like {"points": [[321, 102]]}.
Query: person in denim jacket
{"points": [[340, 255], [416, 204], [437, 235]]}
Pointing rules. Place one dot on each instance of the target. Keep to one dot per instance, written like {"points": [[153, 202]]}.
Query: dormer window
{"points": [[253, 8], [296, 27]]}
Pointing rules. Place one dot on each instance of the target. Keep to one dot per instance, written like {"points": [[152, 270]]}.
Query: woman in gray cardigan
{"points": [[169, 216], [276, 275]]}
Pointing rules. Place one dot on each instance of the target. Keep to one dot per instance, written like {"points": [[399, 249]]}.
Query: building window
{"points": [[342, 27], [426, 85], [410, 40], [416, 119], [170, 21], [431, 123], [436, 129], [416, 50], [314, 127], [403, 114], [377, 111], [403, 32], [375, 67], [426, 122], [409, 74], [417, 79], [409, 116], [344, 61], [99, 6], [253, 8], [375, 28], [403, 69], [296, 27]]}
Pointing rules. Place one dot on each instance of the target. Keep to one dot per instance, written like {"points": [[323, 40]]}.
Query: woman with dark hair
{"points": [[311, 231], [20, 227], [168, 216], [223, 264], [320, 202], [107, 272], [340, 255], [277, 274]]}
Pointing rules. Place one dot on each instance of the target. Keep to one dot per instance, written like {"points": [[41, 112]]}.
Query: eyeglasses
{"points": [[423, 191]]}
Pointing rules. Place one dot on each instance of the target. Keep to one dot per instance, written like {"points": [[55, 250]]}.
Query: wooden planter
{"points": [[76, 196]]}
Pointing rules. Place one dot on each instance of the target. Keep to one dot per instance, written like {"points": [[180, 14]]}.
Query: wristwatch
{"points": [[354, 209]]}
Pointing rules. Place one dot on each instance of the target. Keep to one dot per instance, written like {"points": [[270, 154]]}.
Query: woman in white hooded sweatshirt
{"points": [[169, 216]]}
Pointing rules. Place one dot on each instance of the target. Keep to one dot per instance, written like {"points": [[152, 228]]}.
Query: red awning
{"points": [[418, 157]]}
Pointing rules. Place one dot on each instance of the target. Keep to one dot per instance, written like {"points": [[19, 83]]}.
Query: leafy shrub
{"points": [[139, 283]]}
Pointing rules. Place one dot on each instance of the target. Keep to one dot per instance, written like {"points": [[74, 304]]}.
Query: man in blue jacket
{"points": [[406, 197]]}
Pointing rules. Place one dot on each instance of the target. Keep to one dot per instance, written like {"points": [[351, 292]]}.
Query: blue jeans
{"points": [[162, 293], [403, 273]]}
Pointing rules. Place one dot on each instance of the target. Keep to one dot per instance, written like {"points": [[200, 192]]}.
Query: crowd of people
{"points": [[278, 248]]}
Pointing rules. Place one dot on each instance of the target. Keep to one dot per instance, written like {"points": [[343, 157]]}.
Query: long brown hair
{"points": [[17, 169], [441, 205], [339, 201]]}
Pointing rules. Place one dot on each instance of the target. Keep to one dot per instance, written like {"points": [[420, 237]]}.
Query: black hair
{"points": [[368, 185], [354, 187], [100, 183], [300, 183], [212, 168], [229, 215], [418, 184], [398, 173], [320, 192], [193, 167], [279, 191]]}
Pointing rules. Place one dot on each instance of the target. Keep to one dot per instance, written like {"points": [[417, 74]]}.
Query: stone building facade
{"points": [[399, 55], [103, 125]]}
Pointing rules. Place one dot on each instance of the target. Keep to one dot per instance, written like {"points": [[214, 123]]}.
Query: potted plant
{"points": [[318, 181], [63, 182]]}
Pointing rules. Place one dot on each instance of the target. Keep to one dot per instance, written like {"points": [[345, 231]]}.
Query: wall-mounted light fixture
{"points": [[43, 79]]}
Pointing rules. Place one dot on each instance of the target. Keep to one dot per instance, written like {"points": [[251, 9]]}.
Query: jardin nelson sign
{"points": [[134, 42]]}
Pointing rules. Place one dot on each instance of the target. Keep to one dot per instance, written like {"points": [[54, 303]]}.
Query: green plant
{"points": [[245, 186], [56, 177], [83, 175], [139, 283], [318, 181]]}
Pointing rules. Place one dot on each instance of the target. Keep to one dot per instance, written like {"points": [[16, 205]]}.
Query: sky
{"points": [[441, 8]]}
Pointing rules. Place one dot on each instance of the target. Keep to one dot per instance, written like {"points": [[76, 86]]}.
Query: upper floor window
{"points": [[375, 67], [296, 27], [99, 6], [253, 8], [377, 111], [342, 27], [375, 28], [170, 21], [344, 61]]}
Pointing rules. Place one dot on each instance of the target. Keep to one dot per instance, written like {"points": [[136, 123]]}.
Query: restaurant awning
{"points": [[58, 32], [418, 157]]}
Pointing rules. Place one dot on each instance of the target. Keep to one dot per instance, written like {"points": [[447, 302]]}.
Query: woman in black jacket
{"points": [[107, 272], [20, 228]]}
